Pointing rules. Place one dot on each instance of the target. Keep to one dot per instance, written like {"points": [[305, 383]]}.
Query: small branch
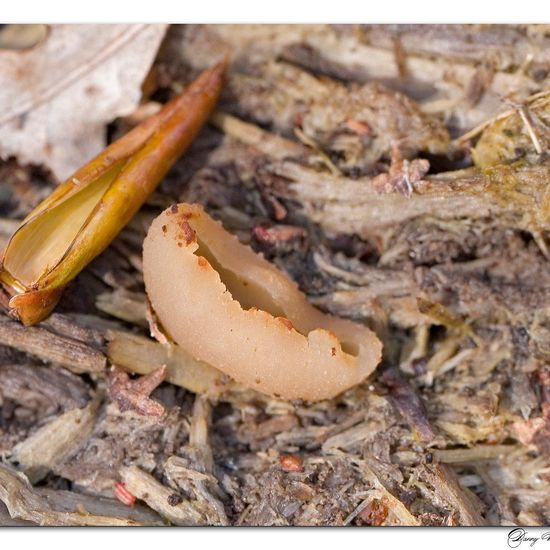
{"points": [[134, 394]]}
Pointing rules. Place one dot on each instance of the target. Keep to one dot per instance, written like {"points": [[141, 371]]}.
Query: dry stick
{"points": [[524, 117], [52, 348], [480, 127], [99, 506], [123, 304], [479, 453], [67, 325], [157, 496], [250, 134], [306, 140], [24, 502], [7, 521], [142, 355]]}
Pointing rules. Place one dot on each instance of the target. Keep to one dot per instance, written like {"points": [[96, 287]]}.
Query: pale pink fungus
{"points": [[229, 307]]}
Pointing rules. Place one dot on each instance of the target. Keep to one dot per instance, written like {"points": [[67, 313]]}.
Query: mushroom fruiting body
{"points": [[229, 307]]}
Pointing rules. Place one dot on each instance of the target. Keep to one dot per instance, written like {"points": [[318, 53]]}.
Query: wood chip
{"points": [[157, 496], [47, 389], [479, 453], [125, 305], [398, 512], [204, 486], [444, 480], [48, 447]]}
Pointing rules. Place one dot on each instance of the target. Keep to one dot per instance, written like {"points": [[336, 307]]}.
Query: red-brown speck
{"points": [[375, 513], [359, 127], [124, 495], [291, 463], [188, 232]]}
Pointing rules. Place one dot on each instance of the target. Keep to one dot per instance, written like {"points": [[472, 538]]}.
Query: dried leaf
{"points": [[57, 97]]}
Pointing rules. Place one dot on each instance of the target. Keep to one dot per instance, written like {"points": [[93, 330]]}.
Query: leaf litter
{"points": [[450, 272]]}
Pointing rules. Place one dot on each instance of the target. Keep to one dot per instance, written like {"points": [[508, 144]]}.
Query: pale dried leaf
{"points": [[57, 97]]}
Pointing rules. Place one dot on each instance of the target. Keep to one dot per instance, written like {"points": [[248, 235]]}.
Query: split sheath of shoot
{"points": [[83, 215]]}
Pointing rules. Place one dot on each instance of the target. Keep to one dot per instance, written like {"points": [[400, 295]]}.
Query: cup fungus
{"points": [[229, 307]]}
